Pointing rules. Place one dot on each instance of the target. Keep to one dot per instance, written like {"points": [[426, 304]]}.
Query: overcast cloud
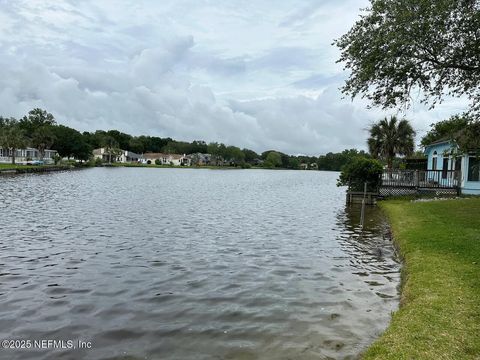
{"points": [[258, 74]]}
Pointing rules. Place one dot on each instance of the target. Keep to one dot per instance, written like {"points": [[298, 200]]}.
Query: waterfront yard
{"points": [[10, 166], [20, 168], [439, 316]]}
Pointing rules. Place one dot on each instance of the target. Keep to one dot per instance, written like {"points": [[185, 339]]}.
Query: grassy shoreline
{"points": [[211, 167], [6, 169], [439, 316], [171, 166], [22, 169]]}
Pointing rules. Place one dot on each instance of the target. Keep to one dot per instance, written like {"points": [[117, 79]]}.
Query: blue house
{"points": [[462, 170]]}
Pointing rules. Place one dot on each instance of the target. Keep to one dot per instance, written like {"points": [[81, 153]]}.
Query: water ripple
{"points": [[192, 264]]}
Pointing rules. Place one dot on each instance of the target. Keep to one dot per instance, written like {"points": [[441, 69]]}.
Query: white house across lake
{"points": [[121, 156], [166, 159], [125, 156], [27, 155]]}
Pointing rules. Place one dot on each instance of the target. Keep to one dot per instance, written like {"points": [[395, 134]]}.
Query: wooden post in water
{"points": [[362, 214]]}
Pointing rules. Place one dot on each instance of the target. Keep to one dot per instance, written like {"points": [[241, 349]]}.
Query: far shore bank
{"points": [[439, 316], [11, 169], [132, 165], [6, 169], [211, 167]]}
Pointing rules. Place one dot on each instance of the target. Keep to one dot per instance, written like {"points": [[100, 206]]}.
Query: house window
{"points": [[458, 167], [445, 168], [434, 161], [473, 169]]}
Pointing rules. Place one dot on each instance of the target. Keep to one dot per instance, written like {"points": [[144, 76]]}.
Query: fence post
{"points": [[362, 214], [416, 179]]}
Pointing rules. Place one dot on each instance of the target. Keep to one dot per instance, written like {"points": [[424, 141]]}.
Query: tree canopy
{"points": [[469, 140], [398, 46], [42, 139], [335, 161], [12, 136], [462, 130], [35, 119], [273, 159], [70, 143], [446, 129]]}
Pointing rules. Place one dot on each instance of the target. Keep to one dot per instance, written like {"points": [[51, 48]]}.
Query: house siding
{"points": [[25, 155], [443, 149], [468, 187]]}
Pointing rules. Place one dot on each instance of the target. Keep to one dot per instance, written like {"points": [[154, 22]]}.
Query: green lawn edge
{"points": [[31, 168], [439, 314]]}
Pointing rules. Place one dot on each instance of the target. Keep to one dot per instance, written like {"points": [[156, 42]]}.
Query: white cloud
{"points": [[260, 75]]}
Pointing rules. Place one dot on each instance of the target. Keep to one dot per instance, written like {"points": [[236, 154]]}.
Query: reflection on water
{"points": [[376, 262], [192, 264]]}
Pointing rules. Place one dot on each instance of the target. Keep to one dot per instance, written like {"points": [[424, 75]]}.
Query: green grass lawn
{"points": [[439, 316], [27, 167], [8, 166], [18, 166]]}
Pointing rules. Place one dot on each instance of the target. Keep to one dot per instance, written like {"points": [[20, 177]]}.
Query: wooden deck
{"points": [[411, 182]]}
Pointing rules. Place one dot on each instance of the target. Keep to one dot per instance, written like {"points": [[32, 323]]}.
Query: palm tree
{"points": [[42, 139], [391, 137], [12, 136], [111, 147]]}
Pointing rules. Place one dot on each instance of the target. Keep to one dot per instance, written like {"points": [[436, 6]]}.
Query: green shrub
{"points": [[360, 171], [98, 162], [90, 162], [158, 162], [57, 158]]}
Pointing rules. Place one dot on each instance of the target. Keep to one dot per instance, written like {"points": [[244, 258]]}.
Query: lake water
{"points": [[191, 264]]}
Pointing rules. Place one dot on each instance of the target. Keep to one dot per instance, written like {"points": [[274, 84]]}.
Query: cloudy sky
{"points": [[258, 74]]}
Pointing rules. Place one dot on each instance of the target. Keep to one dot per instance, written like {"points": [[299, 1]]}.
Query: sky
{"points": [[257, 74]]}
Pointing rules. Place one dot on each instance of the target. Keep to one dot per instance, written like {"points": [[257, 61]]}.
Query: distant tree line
{"points": [[336, 161], [39, 129]]}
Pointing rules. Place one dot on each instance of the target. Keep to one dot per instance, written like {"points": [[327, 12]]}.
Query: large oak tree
{"points": [[404, 48]]}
